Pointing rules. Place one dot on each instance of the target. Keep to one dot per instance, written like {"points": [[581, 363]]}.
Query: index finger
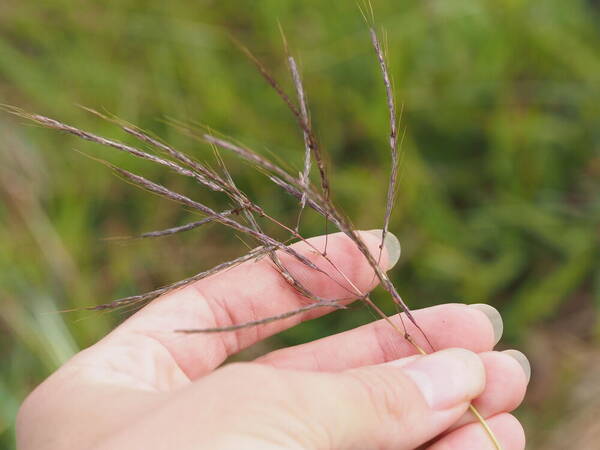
{"points": [[251, 291], [473, 327]]}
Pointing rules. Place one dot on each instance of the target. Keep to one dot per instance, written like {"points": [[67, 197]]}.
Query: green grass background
{"points": [[500, 176]]}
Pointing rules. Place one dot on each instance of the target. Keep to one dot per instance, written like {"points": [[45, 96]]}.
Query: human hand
{"points": [[144, 386]]}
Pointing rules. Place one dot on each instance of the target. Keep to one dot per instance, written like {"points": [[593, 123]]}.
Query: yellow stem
{"points": [[486, 427]]}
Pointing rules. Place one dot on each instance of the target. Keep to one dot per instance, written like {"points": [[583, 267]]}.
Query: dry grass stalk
{"points": [[187, 226], [299, 187], [393, 131], [368, 15], [140, 299]]}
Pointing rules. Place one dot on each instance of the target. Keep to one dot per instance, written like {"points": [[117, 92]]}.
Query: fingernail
{"points": [[522, 360], [447, 378], [495, 318], [392, 245]]}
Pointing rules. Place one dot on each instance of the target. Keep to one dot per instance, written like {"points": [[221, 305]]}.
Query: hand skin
{"points": [[144, 386]]}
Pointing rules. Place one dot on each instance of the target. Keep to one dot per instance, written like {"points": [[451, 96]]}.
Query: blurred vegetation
{"points": [[500, 175]]}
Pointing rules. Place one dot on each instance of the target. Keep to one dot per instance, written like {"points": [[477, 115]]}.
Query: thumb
{"points": [[401, 404]]}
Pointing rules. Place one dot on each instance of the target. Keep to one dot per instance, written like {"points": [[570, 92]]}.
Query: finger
{"points": [[249, 292], [400, 404], [507, 429], [392, 405], [507, 376], [477, 328]]}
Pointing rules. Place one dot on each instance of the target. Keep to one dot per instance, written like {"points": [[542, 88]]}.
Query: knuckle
{"points": [[385, 341], [383, 392]]}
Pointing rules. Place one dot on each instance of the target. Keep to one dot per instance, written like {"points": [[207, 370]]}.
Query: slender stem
{"points": [[486, 427]]}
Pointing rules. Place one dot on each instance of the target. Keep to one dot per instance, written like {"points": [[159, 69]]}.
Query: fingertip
{"points": [[391, 245], [447, 378], [522, 360], [511, 431], [493, 316], [505, 387]]}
